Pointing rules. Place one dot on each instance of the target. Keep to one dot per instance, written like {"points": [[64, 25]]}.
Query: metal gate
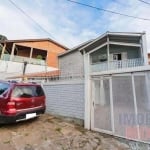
{"points": [[101, 101], [121, 105]]}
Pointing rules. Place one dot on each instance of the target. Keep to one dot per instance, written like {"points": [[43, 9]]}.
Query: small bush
{"points": [[39, 57]]}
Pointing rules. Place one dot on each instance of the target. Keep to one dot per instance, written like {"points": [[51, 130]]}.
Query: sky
{"points": [[71, 24]]}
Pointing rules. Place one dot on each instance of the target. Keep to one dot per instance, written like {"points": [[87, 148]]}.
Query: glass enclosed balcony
{"points": [[115, 65], [23, 59]]}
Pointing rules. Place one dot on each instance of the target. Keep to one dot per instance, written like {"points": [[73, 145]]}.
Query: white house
{"points": [[117, 84]]}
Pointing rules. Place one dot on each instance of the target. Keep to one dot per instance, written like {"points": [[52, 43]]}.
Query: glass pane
{"points": [[102, 113], [3, 87], [99, 55], [28, 91], [123, 103], [143, 106], [23, 91], [39, 91]]}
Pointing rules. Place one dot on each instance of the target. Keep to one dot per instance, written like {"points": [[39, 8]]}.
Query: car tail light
{"points": [[11, 108], [11, 105]]}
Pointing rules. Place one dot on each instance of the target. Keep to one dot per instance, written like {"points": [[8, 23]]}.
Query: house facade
{"points": [[117, 79], [117, 83], [113, 51], [39, 54], [113, 94], [30, 49], [108, 52]]}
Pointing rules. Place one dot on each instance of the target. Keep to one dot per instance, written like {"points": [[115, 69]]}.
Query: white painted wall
{"points": [[38, 68], [9, 68], [13, 67], [3, 66]]}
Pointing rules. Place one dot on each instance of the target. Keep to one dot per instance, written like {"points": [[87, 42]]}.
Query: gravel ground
{"points": [[50, 133]]}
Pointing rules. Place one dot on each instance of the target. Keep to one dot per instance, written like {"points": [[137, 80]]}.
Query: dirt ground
{"points": [[50, 133]]}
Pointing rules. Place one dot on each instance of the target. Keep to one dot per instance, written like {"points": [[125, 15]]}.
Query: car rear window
{"points": [[27, 91], [3, 87]]}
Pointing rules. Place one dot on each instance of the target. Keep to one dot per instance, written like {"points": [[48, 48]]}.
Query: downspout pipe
{"points": [[24, 68]]}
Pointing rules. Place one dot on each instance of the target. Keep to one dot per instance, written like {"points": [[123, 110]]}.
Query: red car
{"points": [[20, 101]]}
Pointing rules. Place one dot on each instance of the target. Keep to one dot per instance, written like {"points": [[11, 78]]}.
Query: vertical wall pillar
{"points": [[87, 91], [144, 49], [12, 52], [112, 105], [46, 59], [3, 50], [94, 101], [141, 49], [31, 52], [108, 51], [46, 63]]}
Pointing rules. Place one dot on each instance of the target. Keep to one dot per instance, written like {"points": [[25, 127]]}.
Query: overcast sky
{"points": [[69, 23]]}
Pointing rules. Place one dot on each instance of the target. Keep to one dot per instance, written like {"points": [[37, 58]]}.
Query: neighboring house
{"points": [[40, 55], [29, 50]]}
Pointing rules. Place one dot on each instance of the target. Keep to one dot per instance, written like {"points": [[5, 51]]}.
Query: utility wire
{"points": [[29, 17], [144, 2], [109, 11]]}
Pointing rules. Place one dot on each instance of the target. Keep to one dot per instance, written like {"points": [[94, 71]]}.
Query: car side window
{"points": [[3, 87], [39, 91]]}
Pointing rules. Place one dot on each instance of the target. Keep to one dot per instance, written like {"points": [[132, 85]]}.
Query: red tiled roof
{"points": [[38, 74]]}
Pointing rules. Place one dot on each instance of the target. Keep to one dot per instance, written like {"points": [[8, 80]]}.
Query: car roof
{"points": [[20, 83]]}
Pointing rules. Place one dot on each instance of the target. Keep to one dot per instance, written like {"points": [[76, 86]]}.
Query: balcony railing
{"points": [[115, 65], [29, 60], [23, 59], [6, 57]]}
